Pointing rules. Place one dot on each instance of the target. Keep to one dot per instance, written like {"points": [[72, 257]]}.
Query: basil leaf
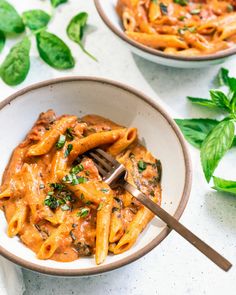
{"points": [[141, 166], [196, 130], [10, 20], [56, 3], [75, 31], [220, 99], [224, 79], [223, 76], [61, 142], [215, 145], [68, 150], [54, 51], [35, 19], [181, 2], [83, 212], [16, 65], [2, 41], [202, 101], [223, 185]]}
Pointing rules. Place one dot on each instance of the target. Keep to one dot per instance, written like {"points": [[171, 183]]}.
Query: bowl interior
{"points": [[83, 96]]}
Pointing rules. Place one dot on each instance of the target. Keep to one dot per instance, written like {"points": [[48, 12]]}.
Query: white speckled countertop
{"points": [[174, 267]]}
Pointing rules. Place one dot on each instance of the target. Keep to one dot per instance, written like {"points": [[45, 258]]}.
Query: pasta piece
{"points": [[225, 32], [117, 226], [102, 229], [49, 247], [123, 142], [137, 225], [18, 220], [154, 11], [129, 21], [59, 162], [94, 140], [50, 138], [157, 41]]}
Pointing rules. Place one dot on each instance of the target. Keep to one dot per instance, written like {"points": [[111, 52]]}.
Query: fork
{"points": [[114, 173]]}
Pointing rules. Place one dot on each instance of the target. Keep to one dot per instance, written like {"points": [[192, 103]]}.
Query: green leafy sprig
{"points": [[214, 138]]}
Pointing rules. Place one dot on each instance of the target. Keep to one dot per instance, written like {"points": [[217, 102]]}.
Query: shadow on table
{"points": [[94, 285]]}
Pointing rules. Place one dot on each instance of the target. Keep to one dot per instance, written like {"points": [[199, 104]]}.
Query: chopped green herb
{"points": [[57, 186], [182, 17], [87, 173], [68, 150], [77, 169], [83, 212], [88, 203], [230, 8], [164, 8], [69, 134], [104, 190], [141, 166], [152, 193], [65, 207], [51, 193], [195, 11], [73, 179], [61, 142], [154, 1], [82, 196], [41, 186], [181, 2], [51, 202]]}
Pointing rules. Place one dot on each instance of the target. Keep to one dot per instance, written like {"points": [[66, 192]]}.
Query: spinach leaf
{"points": [[75, 31], [2, 41], [196, 130], [223, 185], [220, 99], [10, 21], [215, 145], [54, 51], [202, 101], [16, 65], [35, 19], [56, 3]]}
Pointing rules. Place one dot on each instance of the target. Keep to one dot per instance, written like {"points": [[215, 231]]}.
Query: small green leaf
{"points": [[83, 212], [141, 166], [61, 142], [163, 8], [35, 19], [75, 30], [215, 146], [54, 51], [220, 99], [222, 185], [181, 2], [65, 207], [68, 150], [10, 21], [2, 41], [16, 65], [202, 101], [56, 3], [196, 130]]}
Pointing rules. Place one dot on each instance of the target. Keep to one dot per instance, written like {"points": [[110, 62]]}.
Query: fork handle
{"points": [[178, 227]]}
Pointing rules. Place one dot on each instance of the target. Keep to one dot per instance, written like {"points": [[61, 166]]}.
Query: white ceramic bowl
{"points": [[124, 105], [107, 12]]}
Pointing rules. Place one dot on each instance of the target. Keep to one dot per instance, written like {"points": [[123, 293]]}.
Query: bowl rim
{"points": [[163, 234], [213, 56]]}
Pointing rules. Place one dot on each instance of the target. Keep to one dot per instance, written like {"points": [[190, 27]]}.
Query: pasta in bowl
{"points": [[157, 134], [55, 200], [174, 32]]}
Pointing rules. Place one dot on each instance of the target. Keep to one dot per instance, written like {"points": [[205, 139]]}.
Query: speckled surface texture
{"points": [[174, 267]]}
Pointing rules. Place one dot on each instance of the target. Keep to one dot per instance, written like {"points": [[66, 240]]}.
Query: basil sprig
{"points": [[56, 3], [17, 63], [10, 20], [75, 31], [214, 138]]}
